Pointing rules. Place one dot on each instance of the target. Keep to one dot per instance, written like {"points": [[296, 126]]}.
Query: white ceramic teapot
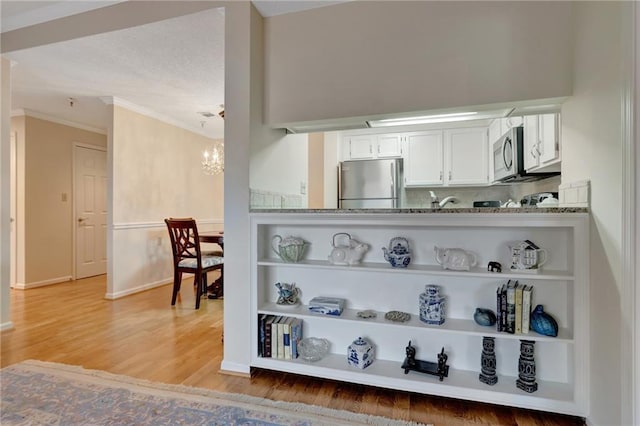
{"points": [[525, 255], [350, 252], [456, 259]]}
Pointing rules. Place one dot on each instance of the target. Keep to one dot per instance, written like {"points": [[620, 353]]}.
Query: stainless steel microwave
{"points": [[508, 159]]}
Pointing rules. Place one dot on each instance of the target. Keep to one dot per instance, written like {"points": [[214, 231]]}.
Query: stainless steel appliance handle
{"points": [[509, 163], [393, 180]]}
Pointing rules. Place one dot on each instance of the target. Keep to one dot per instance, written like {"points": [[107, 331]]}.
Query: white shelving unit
{"points": [[561, 287]]}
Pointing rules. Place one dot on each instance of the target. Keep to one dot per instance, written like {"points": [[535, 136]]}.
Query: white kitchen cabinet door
{"points": [[531, 140], [495, 130], [541, 141], [466, 156], [361, 147], [508, 123], [549, 137], [423, 159], [388, 146]]}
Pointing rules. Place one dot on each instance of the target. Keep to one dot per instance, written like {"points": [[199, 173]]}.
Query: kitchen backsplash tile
{"points": [[420, 197], [260, 199]]}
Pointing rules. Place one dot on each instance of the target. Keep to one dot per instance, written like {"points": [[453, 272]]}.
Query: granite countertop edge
{"points": [[563, 210]]}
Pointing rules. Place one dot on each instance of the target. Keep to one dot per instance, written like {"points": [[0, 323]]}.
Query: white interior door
{"points": [[90, 196]]}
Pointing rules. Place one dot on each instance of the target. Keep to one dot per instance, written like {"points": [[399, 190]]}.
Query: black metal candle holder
{"points": [[440, 368]]}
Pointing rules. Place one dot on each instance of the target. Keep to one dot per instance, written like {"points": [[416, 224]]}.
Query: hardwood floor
{"points": [[143, 336]]}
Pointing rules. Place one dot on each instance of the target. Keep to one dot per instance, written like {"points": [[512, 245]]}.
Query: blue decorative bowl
{"points": [[484, 317], [543, 323]]}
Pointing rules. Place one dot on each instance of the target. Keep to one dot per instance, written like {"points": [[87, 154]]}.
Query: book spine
{"points": [[503, 306], [519, 289], [268, 337], [526, 308], [511, 309], [281, 338], [499, 308], [274, 338], [261, 320], [296, 336], [287, 338]]}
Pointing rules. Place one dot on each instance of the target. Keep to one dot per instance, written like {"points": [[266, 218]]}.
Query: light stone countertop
{"points": [[433, 211]]}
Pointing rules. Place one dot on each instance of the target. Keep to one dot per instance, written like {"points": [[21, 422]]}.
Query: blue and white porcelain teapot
{"points": [[398, 254]]}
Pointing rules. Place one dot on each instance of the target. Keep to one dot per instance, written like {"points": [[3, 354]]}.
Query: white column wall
{"points": [[5, 193], [592, 142]]}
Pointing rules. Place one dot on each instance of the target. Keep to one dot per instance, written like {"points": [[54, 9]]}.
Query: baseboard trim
{"points": [[139, 289], [25, 286], [235, 374], [234, 368], [6, 326]]}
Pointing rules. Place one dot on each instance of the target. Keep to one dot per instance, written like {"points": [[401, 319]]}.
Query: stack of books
{"points": [[278, 336], [513, 307]]}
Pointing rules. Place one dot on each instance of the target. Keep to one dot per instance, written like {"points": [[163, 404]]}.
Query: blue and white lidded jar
{"points": [[432, 306], [360, 353]]}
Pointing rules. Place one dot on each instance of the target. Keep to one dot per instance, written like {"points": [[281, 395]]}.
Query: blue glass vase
{"points": [[543, 323]]}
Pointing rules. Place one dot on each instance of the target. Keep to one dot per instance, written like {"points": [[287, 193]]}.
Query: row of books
{"points": [[513, 307], [278, 336]]}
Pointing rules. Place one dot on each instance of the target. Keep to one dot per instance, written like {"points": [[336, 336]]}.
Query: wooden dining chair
{"points": [[187, 256]]}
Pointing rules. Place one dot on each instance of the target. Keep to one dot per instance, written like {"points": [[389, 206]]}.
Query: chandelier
{"points": [[213, 159]]}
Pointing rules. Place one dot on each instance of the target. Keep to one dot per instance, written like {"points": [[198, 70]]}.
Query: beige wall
{"points": [[373, 57], [592, 149], [316, 171], [45, 173], [156, 174]]}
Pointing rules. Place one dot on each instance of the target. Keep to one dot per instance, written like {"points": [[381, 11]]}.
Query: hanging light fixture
{"points": [[213, 159]]}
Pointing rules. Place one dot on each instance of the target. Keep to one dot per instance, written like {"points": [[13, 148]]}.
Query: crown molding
{"points": [[43, 116], [113, 100]]}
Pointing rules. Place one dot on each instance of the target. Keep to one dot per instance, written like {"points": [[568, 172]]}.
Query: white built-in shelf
{"points": [[549, 275], [451, 325], [459, 383]]}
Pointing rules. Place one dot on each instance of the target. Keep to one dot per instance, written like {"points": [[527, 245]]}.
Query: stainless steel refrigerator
{"points": [[369, 184]]}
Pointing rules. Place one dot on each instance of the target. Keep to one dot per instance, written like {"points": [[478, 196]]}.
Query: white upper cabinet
{"points": [[466, 156], [423, 159], [365, 147], [542, 142]]}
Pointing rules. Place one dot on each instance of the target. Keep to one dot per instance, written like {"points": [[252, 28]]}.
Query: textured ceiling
{"points": [[172, 69]]}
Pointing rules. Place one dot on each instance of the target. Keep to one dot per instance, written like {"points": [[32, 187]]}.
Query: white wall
{"points": [[592, 149], [331, 170], [376, 57], [279, 163], [5, 201], [156, 173]]}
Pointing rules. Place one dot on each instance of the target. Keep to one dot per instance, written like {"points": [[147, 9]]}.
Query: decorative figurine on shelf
{"points": [[484, 317], [440, 369], [543, 323], [455, 259], [527, 367], [488, 361], [360, 353], [494, 267], [432, 306], [287, 294], [398, 254]]}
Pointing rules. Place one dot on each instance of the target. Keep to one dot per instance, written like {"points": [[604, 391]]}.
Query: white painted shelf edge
{"points": [[451, 325], [553, 396], [422, 269]]}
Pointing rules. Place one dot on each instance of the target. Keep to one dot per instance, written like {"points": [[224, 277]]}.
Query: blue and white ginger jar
{"points": [[432, 306], [360, 353]]}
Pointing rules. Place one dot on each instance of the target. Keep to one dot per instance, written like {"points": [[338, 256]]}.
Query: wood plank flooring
{"points": [[143, 336]]}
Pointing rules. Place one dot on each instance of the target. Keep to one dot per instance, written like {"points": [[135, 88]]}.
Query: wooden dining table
{"points": [[216, 288]]}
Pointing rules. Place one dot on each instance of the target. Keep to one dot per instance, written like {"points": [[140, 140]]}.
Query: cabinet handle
{"points": [[449, 174], [538, 147], [378, 149], [440, 175]]}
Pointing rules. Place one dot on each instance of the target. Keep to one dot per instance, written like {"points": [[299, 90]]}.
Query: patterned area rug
{"points": [[44, 393]]}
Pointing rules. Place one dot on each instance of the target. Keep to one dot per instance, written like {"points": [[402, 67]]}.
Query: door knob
{"points": [[81, 219]]}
